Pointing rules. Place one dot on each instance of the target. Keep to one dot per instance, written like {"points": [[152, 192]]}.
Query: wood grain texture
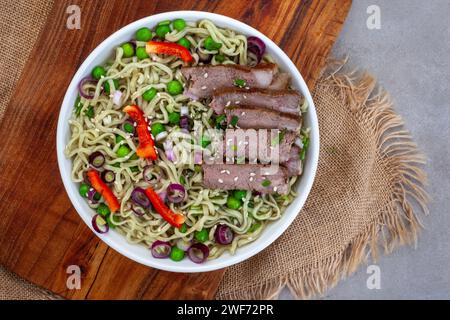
{"points": [[40, 232]]}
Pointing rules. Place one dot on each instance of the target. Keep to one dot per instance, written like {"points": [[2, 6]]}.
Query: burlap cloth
{"points": [[368, 182]]}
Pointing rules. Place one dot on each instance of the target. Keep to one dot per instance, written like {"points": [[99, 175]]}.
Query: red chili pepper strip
{"points": [[175, 219], [169, 48], [146, 148], [104, 190]]}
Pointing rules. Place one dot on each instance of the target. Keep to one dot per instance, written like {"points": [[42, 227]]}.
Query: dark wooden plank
{"points": [[40, 233]]}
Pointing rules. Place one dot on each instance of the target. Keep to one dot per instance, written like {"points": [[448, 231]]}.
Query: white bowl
{"points": [[140, 253]]}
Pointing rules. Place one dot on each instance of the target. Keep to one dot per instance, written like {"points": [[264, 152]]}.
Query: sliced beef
{"points": [[262, 118], [286, 101], [294, 164], [263, 145], [204, 80], [280, 81], [255, 177]]}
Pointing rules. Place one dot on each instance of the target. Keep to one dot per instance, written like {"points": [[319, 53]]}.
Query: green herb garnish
{"points": [[279, 137], [240, 83], [234, 121], [266, 183]]}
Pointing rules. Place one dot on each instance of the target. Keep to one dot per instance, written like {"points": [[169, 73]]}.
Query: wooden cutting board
{"points": [[40, 232]]}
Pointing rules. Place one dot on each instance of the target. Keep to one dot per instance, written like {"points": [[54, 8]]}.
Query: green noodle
{"points": [[204, 208]]}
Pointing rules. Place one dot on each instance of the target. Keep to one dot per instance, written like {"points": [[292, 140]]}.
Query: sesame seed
{"points": [[275, 189], [247, 88], [243, 113], [245, 97], [223, 171], [134, 124], [220, 181], [158, 94], [237, 102], [228, 104], [205, 75], [236, 178], [204, 88], [251, 179], [252, 174]]}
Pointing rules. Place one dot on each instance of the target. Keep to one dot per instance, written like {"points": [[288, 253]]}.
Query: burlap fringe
{"points": [[397, 224]]}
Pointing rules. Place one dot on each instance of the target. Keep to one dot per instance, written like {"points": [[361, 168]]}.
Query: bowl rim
{"points": [[258, 245]]}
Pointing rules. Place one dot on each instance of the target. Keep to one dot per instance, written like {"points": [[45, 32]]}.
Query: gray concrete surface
{"points": [[410, 55]]}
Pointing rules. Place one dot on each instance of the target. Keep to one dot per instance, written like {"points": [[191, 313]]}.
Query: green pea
{"points": [[89, 112], [202, 235], [239, 194], [143, 34], [174, 87], [149, 94], [185, 43], [157, 128], [233, 203], [128, 127], [141, 53], [119, 138], [84, 189], [123, 151], [103, 210], [183, 228], [211, 45], [220, 58], [128, 50], [162, 30], [197, 168], [206, 141], [179, 24], [107, 88], [182, 180], [176, 254], [98, 72], [174, 118]]}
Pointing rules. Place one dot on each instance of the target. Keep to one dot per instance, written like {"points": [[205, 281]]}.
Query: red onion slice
{"points": [[163, 196], [198, 253], [184, 122], [116, 98], [223, 234], [183, 245], [81, 85], [138, 210], [150, 177], [176, 193], [99, 224], [140, 198], [198, 157], [168, 149], [91, 194], [257, 46], [160, 249]]}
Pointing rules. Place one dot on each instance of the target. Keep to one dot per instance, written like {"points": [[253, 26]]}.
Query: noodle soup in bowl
{"points": [[223, 254]]}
